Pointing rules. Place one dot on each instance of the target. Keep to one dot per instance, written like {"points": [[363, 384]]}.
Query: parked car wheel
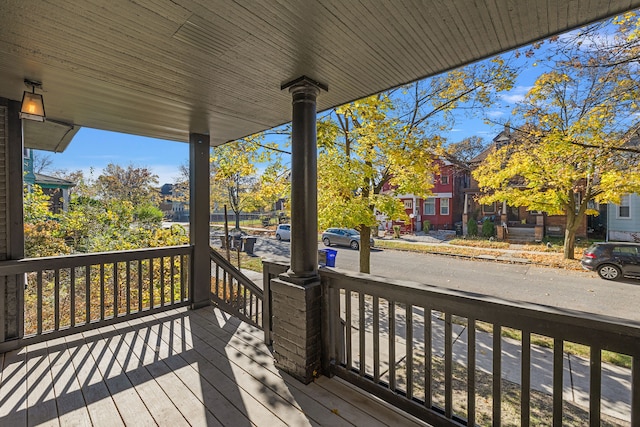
{"points": [[278, 237], [354, 245], [326, 241], [609, 272]]}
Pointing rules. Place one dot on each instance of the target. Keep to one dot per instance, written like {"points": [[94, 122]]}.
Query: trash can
{"points": [[322, 257], [236, 242], [458, 229], [248, 244], [223, 242], [331, 257]]}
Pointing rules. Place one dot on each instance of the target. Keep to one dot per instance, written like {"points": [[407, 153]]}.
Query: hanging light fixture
{"points": [[32, 103]]}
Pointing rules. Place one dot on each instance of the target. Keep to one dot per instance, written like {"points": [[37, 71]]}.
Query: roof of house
{"points": [[47, 181]]}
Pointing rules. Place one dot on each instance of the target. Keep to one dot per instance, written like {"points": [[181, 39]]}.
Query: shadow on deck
{"points": [[180, 367]]}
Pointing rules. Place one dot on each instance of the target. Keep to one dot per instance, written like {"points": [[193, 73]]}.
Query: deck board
{"points": [[69, 400], [41, 401], [177, 368]]}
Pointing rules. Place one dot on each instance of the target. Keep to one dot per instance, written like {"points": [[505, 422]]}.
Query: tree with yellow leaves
{"points": [[393, 138], [235, 177], [578, 143]]}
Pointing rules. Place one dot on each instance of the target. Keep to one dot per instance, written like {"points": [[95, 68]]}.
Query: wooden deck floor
{"points": [[201, 368]]}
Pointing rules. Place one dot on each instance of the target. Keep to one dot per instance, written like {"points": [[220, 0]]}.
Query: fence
{"points": [[405, 343], [68, 294]]}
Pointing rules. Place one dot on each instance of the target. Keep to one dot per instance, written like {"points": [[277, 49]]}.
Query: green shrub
{"points": [[396, 231], [488, 228], [472, 227]]}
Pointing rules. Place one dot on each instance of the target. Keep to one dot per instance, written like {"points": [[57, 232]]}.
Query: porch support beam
{"points": [[12, 226], [199, 219], [304, 178], [295, 295]]}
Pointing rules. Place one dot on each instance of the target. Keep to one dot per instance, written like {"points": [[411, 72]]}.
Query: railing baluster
{"points": [[363, 351], [428, 401], [72, 289], [448, 366], [128, 287], [409, 349], [217, 283], [116, 290], [152, 303], [139, 285], [244, 300], [558, 368], [39, 301], [392, 345], [87, 291], [337, 338], [635, 391], [182, 278], [497, 375], [525, 374], [347, 306], [471, 371], [56, 298], [162, 282], [224, 286], [595, 386], [102, 300], [173, 284], [376, 339]]}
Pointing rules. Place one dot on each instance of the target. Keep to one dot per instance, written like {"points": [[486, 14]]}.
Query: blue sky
{"points": [[92, 150]]}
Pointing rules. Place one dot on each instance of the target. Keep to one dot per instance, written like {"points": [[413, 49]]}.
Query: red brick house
{"points": [[443, 209]]}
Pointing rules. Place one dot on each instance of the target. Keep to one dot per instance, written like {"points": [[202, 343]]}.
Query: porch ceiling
{"points": [[165, 68]]}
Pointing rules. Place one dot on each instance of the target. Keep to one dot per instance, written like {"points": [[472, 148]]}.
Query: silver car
{"points": [[283, 232], [343, 237]]}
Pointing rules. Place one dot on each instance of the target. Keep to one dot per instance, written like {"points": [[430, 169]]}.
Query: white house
{"points": [[624, 219]]}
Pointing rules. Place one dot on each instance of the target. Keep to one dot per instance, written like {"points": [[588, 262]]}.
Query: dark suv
{"points": [[613, 260]]}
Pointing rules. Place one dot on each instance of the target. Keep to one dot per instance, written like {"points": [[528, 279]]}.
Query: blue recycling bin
{"points": [[331, 257]]}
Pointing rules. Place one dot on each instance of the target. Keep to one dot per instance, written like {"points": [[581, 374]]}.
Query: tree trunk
{"points": [[365, 249], [570, 235]]}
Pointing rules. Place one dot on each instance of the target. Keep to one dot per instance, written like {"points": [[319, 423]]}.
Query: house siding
{"points": [[625, 229]]}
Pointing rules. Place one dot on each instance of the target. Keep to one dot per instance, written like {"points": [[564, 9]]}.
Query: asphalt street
{"points": [[575, 290]]}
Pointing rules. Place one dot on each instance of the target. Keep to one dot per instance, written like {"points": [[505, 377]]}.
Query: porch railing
{"points": [[234, 292], [422, 350], [68, 294]]}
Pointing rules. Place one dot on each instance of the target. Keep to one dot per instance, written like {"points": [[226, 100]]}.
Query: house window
{"points": [[430, 206], [623, 209], [444, 179], [444, 206], [408, 204], [489, 209]]}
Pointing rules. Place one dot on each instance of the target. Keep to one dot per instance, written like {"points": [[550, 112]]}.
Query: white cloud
{"points": [[495, 113], [516, 94]]}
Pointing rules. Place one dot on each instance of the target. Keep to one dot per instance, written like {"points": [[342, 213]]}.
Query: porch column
{"points": [[304, 178], [199, 219], [465, 214], [11, 225], [295, 295]]}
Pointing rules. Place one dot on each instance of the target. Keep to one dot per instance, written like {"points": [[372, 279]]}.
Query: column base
{"points": [[296, 320]]}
